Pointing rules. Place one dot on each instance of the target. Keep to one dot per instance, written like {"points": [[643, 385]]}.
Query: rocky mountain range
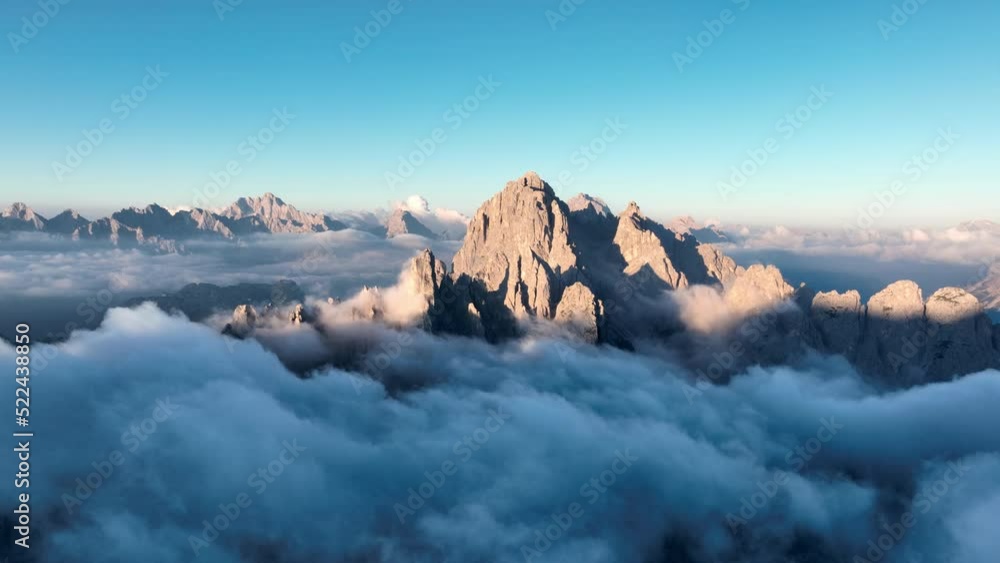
{"points": [[157, 228], [528, 255], [529, 259]]}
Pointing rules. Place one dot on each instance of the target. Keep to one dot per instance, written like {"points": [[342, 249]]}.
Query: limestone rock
{"points": [[518, 247], [581, 311], [65, 223], [642, 244], [243, 322], [402, 222], [756, 289], [960, 335], [271, 214], [718, 265], [901, 302], [427, 274], [895, 332], [109, 229], [709, 233], [298, 315], [839, 319], [20, 217], [595, 205]]}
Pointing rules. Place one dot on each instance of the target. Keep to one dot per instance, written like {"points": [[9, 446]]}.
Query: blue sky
{"points": [[354, 120]]}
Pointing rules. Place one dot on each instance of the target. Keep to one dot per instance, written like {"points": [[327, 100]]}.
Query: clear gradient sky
{"points": [[609, 59]]}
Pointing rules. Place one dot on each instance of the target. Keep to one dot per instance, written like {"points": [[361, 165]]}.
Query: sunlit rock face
{"points": [[270, 214], [581, 312], [243, 322], [518, 247]]}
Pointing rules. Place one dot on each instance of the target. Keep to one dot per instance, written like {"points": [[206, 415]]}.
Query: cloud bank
{"points": [[536, 450]]}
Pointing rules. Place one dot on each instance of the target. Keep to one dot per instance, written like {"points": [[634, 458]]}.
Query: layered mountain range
{"points": [[531, 262], [157, 227]]}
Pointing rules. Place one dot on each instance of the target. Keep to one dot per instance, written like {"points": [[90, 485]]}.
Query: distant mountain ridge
{"points": [[987, 289], [158, 228]]}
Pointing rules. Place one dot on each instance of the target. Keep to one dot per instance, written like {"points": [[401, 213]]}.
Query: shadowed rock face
{"points": [[961, 335], [895, 317], [839, 319], [904, 340], [65, 223], [200, 300], [643, 243]]}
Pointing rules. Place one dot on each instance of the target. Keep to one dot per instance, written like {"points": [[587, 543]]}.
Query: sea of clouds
{"points": [[870, 259], [157, 439], [61, 284]]}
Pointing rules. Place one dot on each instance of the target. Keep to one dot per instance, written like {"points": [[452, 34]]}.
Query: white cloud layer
{"points": [[545, 419]]}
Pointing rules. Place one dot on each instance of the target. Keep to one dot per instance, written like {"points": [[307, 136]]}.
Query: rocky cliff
{"points": [[528, 255]]}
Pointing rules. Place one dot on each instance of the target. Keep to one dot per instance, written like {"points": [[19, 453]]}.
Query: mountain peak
{"points": [[402, 222], [532, 180], [269, 213], [66, 223], [20, 217], [582, 201], [518, 244], [19, 210]]}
